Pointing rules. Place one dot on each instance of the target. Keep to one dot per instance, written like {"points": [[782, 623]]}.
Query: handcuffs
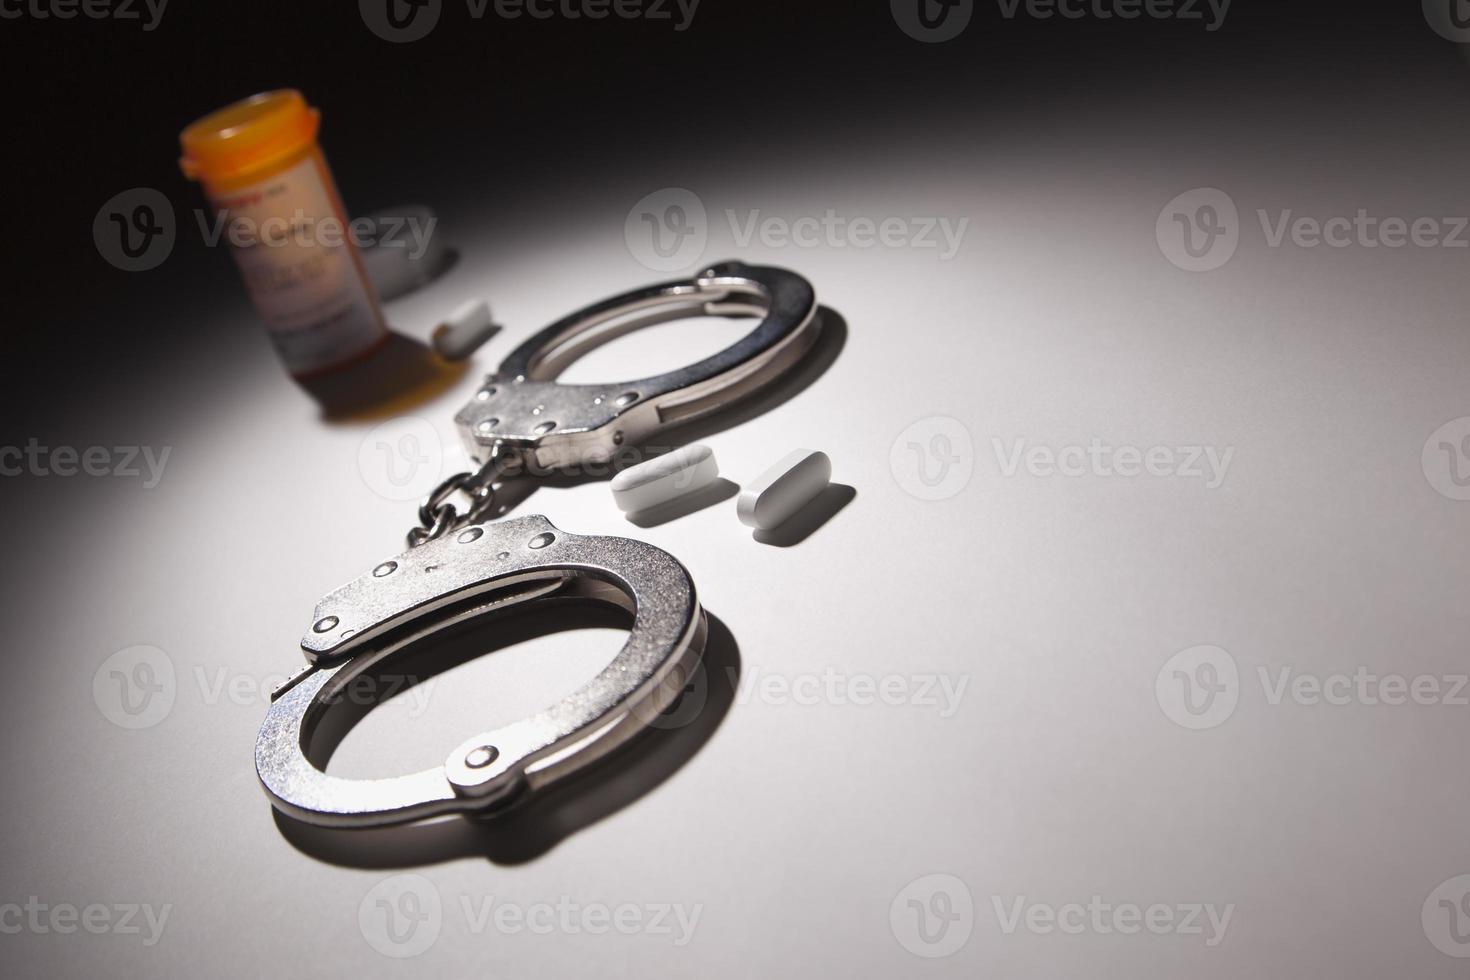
{"points": [[460, 566]]}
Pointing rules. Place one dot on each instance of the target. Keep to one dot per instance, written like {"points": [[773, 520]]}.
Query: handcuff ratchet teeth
{"points": [[460, 568]]}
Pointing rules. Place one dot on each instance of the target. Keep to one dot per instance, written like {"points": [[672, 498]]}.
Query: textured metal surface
{"points": [[556, 425], [474, 573], [476, 570]]}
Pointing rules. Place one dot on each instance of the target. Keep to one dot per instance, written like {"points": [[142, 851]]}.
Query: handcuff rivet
{"points": [[481, 757], [470, 534], [669, 630]]}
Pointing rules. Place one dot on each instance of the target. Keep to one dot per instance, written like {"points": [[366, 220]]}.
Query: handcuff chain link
{"points": [[438, 516]]}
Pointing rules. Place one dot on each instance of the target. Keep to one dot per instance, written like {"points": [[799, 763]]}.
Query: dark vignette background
{"points": [[517, 115], [532, 120]]}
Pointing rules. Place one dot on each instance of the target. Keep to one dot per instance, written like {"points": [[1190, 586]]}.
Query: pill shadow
{"points": [[801, 525], [717, 492], [524, 832]]}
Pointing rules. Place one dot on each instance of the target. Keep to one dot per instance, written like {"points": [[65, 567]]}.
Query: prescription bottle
{"points": [[274, 205]]}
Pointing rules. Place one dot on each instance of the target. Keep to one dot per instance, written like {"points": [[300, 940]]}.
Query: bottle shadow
{"points": [[524, 831], [393, 378]]}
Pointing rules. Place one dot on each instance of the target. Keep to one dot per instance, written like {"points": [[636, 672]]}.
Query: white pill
{"points": [[784, 489], [469, 326], [665, 478]]}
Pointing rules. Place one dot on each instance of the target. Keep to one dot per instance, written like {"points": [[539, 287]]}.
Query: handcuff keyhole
{"points": [[481, 757], [543, 428], [487, 425], [541, 540]]}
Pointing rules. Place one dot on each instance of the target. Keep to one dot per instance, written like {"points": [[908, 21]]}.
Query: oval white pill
{"points": [[784, 489], [663, 479], [469, 326]]}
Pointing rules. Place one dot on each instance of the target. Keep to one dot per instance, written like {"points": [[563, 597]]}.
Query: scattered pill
{"points": [[469, 326], [664, 478], [784, 489]]}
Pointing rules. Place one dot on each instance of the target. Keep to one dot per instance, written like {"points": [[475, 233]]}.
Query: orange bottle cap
{"points": [[248, 137]]}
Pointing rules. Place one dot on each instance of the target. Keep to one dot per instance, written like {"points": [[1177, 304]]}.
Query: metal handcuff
{"points": [[460, 567]]}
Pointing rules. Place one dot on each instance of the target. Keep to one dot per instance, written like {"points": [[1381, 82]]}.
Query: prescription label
{"points": [[293, 246]]}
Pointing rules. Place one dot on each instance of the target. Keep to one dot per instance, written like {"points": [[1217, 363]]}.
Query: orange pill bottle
{"points": [[274, 205]]}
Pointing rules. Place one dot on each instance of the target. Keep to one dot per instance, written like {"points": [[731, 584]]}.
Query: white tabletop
{"points": [[985, 687]]}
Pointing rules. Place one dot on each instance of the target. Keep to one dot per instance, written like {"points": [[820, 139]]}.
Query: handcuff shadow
{"points": [[524, 831], [831, 339]]}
